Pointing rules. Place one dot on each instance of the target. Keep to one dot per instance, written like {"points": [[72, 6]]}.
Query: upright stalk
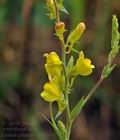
{"points": [[60, 72], [68, 118], [53, 122]]}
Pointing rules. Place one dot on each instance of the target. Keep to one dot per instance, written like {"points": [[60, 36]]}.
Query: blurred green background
{"points": [[26, 33]]}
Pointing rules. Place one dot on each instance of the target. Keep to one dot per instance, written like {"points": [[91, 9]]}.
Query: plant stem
{"points": [[54, 123], [57, 11], [68, 117], [51, 116], [93, 90]]}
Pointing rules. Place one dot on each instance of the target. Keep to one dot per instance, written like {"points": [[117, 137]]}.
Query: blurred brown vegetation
{"points": [[26, 33]]}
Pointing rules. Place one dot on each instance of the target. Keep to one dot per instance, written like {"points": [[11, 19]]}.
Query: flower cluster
{"points": [[54, 89]]}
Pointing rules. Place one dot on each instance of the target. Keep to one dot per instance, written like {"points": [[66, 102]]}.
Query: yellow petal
{"points": [[87, 61], [51, 88], [52, 91], [84, 69], [92, 66], [53, 59], [81, 55], [83, 65], [53, 65], [48, 97]]}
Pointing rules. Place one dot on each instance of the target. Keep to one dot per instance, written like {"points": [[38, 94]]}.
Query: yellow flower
{"points": [[52, 91], [82, 67], [53, 65]]}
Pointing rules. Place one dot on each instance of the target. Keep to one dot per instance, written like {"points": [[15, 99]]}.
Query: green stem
{"points": [[68, 117], [93, 90], [54, 123], [63, 54], [57, 11], [69, 130], [52, 118]]}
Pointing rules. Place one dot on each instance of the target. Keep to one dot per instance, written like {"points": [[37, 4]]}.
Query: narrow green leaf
{"points": [[77, 109], [74, 50], [58, 114], [62, 8], [70, 63]]}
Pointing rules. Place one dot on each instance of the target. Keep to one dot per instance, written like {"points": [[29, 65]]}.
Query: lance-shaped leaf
{"points": [[70, 63], [61, 7], [77, 109]]}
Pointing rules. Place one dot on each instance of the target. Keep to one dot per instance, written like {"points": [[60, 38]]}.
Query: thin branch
{"points": [[93, 90], [57, 11]]}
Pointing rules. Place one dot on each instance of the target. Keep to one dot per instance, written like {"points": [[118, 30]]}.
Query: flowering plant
{"points": [[61, 74]]}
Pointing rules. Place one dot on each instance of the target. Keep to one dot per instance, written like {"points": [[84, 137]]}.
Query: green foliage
{"points": [[62, 129], [70, 63], [115, 48], [77, 109], [61, 7]]}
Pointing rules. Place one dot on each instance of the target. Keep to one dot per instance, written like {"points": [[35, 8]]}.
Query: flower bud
{"points": [[60, 28], [78, 31], [51, 7], [75, 35]]}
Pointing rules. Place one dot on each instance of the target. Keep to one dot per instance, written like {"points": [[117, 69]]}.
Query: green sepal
{"points": [[77, 109]]}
